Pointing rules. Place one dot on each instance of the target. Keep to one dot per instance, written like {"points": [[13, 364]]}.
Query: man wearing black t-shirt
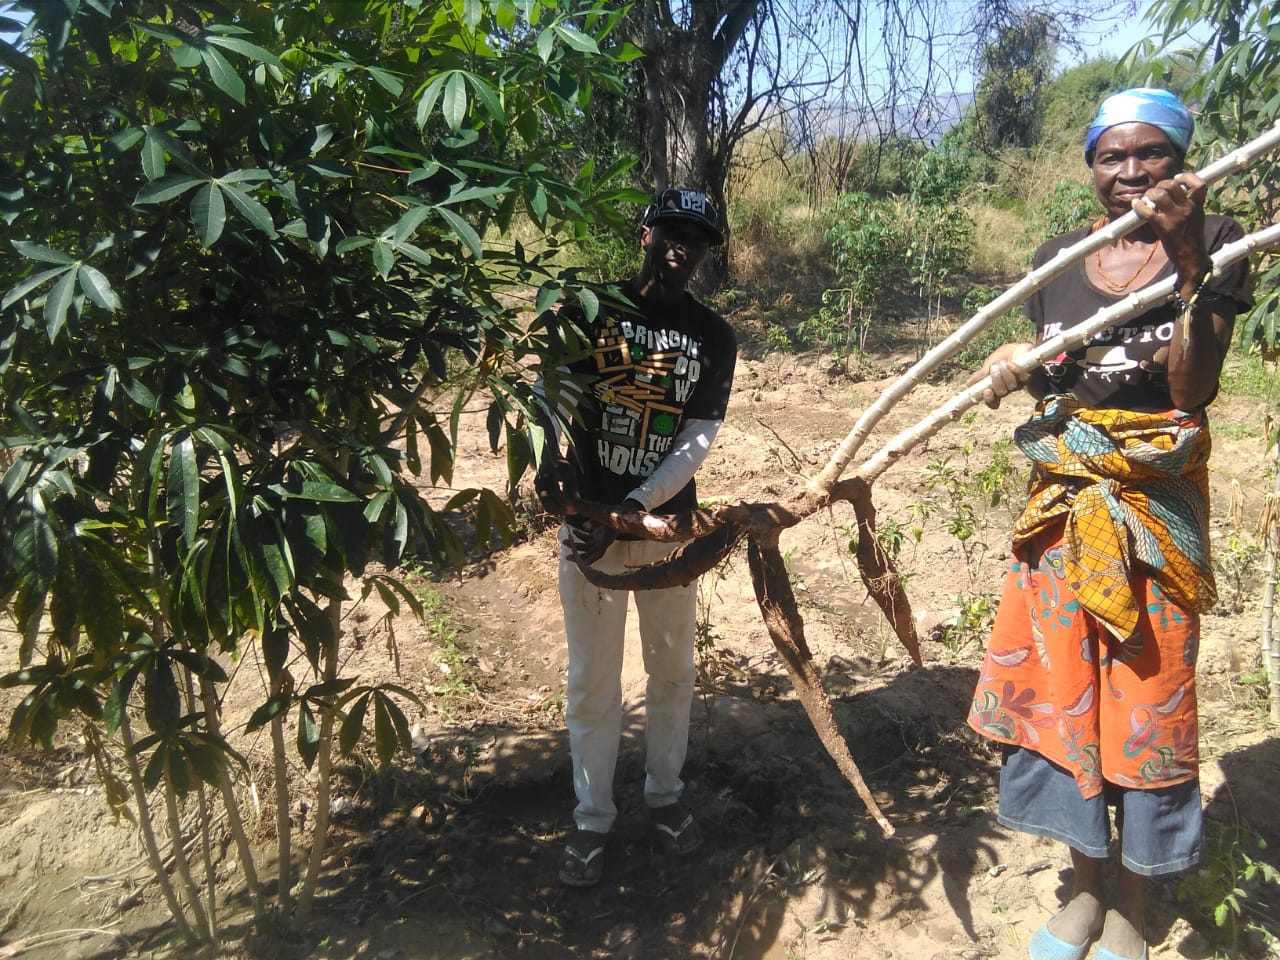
{"points": [[658, 379]]}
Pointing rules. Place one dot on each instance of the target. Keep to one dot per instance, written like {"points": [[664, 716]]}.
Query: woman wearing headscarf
{"points": [[1089, 678]]}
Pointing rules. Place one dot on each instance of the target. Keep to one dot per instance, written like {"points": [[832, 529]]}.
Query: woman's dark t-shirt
{"points": [[651, 369], [1114, 369]]}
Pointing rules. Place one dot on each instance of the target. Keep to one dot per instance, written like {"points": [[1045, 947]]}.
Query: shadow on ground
{"points": [[457, 857]]}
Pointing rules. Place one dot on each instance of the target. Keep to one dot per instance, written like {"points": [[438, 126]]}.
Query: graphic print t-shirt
{"points": [[1114, 369], [652, 368]]}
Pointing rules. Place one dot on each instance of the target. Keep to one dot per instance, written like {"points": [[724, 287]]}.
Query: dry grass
{"points": [[1000, 247], [780, 265], [779, 244], [1030, 177]]}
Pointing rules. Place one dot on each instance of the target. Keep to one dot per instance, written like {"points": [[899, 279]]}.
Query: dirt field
{"points": [[453, 855]]}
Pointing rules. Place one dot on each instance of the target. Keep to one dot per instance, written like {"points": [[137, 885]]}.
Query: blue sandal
{"points": [[1045, 946]]}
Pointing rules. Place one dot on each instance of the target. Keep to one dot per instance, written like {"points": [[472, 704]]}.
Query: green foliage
{"points": [[1014, 67], [978, 297], [962, 496], [1068, 103], [245, 295], [1070, 205], [1249, 376], [975, 613], [910, 247], [1237, 562], [1000, 481], [1255, 690], [777, 338], [1261, 327], [1225, 889], [452, 663], [868, 247], [609, 256], [778, 254], [1008, 328], [884, 168], [941, 231], [892, 535]]}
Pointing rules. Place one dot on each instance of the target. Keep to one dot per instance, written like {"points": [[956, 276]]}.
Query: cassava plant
{"points": [[941, 229], [895, 250], [1229, 54], [962, 497], [245, 287], [1229, 889], [867, 247]]}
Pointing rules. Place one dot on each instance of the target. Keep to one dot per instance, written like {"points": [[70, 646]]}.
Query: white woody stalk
{"points": [[1132, 305], [1269, 531], [1236, 160]]}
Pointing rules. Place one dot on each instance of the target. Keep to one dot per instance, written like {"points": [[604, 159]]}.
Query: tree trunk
{"points": [[235, 822], [146, 826], [284, 830], [681, 69], [324, 768]]}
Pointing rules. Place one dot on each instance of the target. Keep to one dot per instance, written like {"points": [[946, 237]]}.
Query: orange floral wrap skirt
{"points": [[1057, 682]]}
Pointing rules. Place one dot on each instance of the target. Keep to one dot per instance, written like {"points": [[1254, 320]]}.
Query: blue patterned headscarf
{"points": [[1160, 108]]}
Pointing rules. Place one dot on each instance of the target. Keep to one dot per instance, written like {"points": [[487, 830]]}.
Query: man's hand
{"points": [[592, 538], [552, 482]]}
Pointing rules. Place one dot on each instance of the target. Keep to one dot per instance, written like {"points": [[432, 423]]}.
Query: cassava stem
{"points": [[1132, 305], [1269, 534]]}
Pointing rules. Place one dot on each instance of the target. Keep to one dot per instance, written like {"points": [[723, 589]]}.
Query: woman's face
{"points": [[1128, 159]]}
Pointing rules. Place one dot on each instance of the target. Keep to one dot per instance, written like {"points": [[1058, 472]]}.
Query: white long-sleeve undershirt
{"points": [[677, 468], [688, 451]]}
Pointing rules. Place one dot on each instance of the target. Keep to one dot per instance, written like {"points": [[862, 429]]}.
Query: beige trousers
{"points": [[595, 623]]}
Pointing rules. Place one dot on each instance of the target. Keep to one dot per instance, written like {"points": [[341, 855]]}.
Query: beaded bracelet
{"points": [[1183, 307]]}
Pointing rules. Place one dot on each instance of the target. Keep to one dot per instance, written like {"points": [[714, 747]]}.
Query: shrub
{"points": [[1069, 205]]}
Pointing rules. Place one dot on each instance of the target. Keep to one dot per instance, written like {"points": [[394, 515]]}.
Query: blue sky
{"points": [[1113, 39]]}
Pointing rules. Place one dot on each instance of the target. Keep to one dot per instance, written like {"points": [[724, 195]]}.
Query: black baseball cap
{"points": [[693, 206]]}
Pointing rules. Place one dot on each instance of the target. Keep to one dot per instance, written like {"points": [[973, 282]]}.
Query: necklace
{"points": [[1117, 286]]}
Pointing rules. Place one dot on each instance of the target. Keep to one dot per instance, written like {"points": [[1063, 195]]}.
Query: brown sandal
{"points": [[582, 863], [676, 828]]}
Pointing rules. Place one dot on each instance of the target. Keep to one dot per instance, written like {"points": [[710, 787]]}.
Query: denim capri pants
{"points": [[1161, 831]]}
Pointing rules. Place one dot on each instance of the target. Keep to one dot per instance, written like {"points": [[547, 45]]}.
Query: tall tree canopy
{"points": [[1015, 66]]}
